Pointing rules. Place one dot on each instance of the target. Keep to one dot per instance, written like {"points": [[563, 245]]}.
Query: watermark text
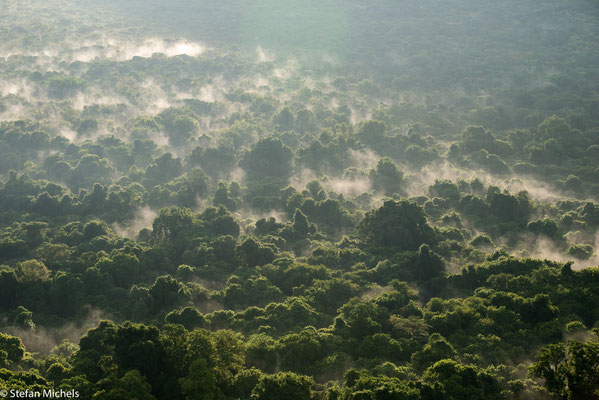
{"points": [[39, 394]]}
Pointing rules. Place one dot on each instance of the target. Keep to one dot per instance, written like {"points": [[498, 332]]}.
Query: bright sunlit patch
{"points": [[122, 51]]}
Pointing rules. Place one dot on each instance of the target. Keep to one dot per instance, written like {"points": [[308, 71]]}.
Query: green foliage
{"points": [[464, 382], [569, 372], [283, 386], [236, 206], [11, 349], [396, 226], [581, 251], [435, 350], [387, 177], [268, 159], [33, 271]]}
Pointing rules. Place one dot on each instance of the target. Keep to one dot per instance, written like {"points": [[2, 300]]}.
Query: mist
{"points": [[302, 189]]}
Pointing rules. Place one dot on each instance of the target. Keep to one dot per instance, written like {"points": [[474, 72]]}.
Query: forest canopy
{"points": [[302, 200]]}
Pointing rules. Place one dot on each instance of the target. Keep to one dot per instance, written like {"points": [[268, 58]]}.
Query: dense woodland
{"points": [[300, 200]]}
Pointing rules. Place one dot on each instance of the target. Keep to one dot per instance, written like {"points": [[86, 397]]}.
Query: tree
{"points": [[547, 227], [362, 317], [34, 271], [285, 119], [372, 133], [396, 226], [61, 86], [251, 253], [300, 351], [138, 347], [173, 224], [268, 159], [464, 381], [445, 189], [507, 207], [283, 385], [437, 348], [386, 177], [95, 228], [66, 294], [11, 349], [581, 251], [558, 128], [164, 168], [222, 197], [90, 169], [189, 317], [200, 384], [430, 265], [178, 124], [124, 268], [200, 381], [132, 385], [300, 223], [167, 292], [475, 138], [216, 162], [190, 187], [569, 372], [218, 222]]}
